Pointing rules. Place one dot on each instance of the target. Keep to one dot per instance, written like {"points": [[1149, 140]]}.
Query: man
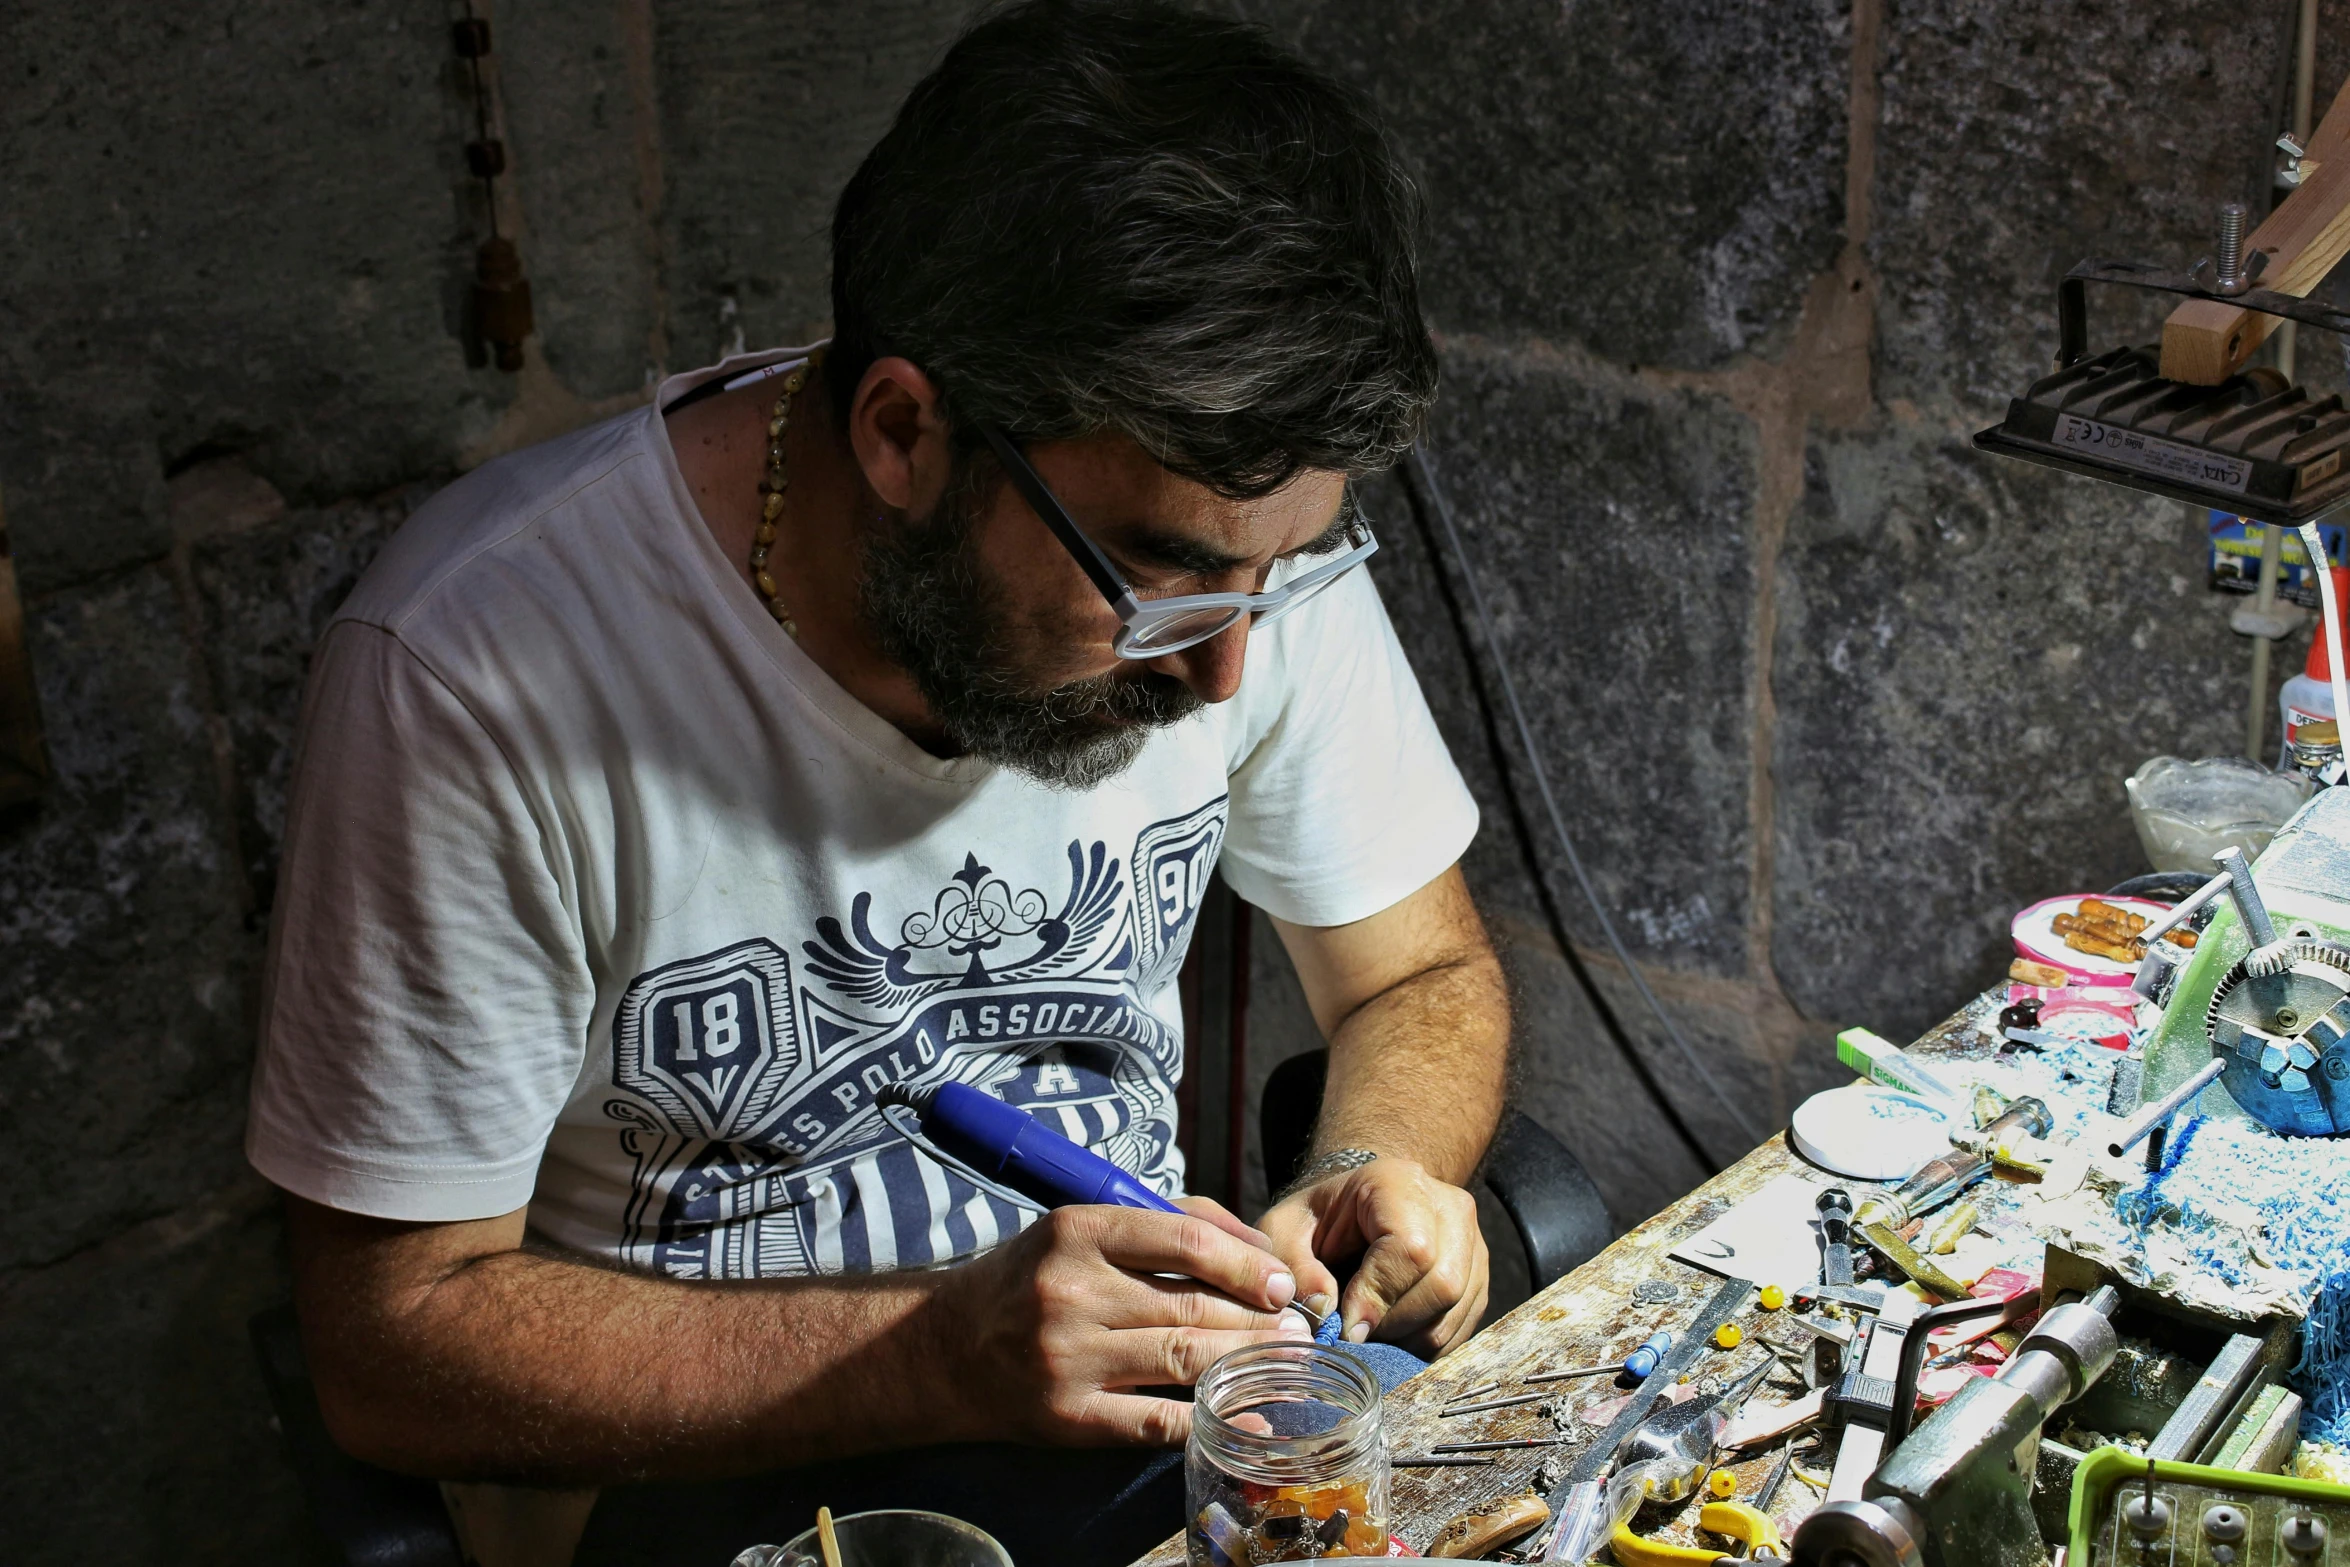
{"points": [[670, 789]]}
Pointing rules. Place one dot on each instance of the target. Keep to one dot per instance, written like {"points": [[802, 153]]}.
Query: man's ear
{"points": [[898, 436]]}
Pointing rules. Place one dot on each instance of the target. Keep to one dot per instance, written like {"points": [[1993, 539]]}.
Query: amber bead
{"points": [[766, 533], [766, 584]]}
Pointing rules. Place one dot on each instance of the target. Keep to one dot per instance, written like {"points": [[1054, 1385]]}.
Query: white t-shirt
{"points": [[599, 896]]}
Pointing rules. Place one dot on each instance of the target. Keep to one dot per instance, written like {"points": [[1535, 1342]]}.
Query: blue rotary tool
{"points": [[1023, 1161], [1015, 1147]]}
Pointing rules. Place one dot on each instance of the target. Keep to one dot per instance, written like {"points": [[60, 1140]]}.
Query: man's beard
{"points": [[936, 614]]}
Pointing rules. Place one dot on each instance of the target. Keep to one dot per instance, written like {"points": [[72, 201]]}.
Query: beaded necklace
{"points": [[771, 487]]}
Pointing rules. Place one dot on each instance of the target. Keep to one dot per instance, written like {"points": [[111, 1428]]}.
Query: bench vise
{"points": [[1958, 1491]]}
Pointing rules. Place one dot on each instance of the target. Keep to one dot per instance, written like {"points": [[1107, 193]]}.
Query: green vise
{"points": [[2266, 989]]}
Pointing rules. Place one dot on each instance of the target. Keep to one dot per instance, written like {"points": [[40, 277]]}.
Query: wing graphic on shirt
{"points": [[1067, 940], [862, 968], [754, 1145]]}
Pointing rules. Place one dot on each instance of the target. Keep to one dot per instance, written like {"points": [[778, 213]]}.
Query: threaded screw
{"points": [[2231, 249]]}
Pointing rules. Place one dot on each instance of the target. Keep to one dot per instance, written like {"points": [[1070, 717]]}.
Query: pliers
{"points": [[1741, 1521]]}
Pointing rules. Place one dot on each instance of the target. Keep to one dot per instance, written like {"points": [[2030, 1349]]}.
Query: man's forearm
{"points": [[1417, 1012], [1419, 1071], [524, 1367]]}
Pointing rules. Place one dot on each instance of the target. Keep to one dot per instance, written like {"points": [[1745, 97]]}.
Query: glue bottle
{"points": [[2309, 696]]}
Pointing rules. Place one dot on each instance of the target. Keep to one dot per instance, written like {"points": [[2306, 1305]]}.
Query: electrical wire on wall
{"points": [[1429, 497]]}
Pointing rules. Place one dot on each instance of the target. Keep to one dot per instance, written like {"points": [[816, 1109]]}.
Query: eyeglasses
{"points": [[1152, 628]]}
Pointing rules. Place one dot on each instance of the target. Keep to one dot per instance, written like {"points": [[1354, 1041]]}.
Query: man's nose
{"points": [[1210, 668]]}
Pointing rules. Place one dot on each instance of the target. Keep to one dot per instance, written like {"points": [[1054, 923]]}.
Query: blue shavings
{"points": [[2234, 1195], [2234, 1205], [2325, 1353]]}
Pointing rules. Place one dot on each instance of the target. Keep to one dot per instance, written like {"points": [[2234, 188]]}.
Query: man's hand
{"points": [[1421, 1281], [450, 1350], [1417, 1015], [1056, 1331]]}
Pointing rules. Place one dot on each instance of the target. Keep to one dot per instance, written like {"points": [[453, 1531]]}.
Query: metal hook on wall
{"points": [[501, 294]]}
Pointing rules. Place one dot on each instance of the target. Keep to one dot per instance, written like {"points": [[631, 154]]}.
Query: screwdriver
{"points": [[1636, 1365]]}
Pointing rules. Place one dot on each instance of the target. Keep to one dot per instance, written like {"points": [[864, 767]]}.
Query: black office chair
{"points": [[1556, 1219], [372, 1517]]}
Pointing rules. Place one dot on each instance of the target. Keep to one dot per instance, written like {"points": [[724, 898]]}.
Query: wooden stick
{"points": [[826, 1540], [2207, 340]]}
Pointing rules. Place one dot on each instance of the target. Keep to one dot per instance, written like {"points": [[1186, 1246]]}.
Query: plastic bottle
{"points": [[2309, 696]]}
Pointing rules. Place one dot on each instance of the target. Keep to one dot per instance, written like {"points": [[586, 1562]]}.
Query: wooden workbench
{"points": [[1587, 1318]]}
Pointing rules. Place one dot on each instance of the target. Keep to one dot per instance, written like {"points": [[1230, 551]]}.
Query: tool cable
{"points": [[1522, 834], [2329, 614], [891, 1109], [1424, 472]]}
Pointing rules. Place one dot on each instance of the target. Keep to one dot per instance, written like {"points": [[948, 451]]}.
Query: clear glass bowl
{"points": [[890, 1537], [2186, 812]]}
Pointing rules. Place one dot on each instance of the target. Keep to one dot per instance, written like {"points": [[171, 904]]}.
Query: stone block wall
{"points": [[1722, 290]]}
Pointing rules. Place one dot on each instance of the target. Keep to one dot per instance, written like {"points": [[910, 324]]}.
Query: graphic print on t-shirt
{"points": [[755, 1149]]}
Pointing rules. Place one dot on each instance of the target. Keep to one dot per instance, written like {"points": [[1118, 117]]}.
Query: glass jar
{"points": [[1288, 1460]]}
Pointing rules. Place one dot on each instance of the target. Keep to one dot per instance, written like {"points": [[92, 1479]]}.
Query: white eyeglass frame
{"points": [[1137, 617]]}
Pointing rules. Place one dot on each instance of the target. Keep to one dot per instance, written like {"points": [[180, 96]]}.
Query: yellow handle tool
{"points": [[1738, 1520]]}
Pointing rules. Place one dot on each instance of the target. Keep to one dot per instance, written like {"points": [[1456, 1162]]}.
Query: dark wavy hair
{"points": [[1117, 215]]}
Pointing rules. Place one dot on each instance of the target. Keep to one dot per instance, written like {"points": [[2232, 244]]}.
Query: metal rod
{"points": [[2230, 274], [2304, 102], [2305, 71], [2258, 929], [1492, 1403], [1506, 1444], [2163, 1109], [1434, 1461], [1579, 1371], [2185, 909], [1777, 1477], [2272, 547]]}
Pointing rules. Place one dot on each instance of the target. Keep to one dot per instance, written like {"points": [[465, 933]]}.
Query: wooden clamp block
{"points": [[2207, 340]]}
